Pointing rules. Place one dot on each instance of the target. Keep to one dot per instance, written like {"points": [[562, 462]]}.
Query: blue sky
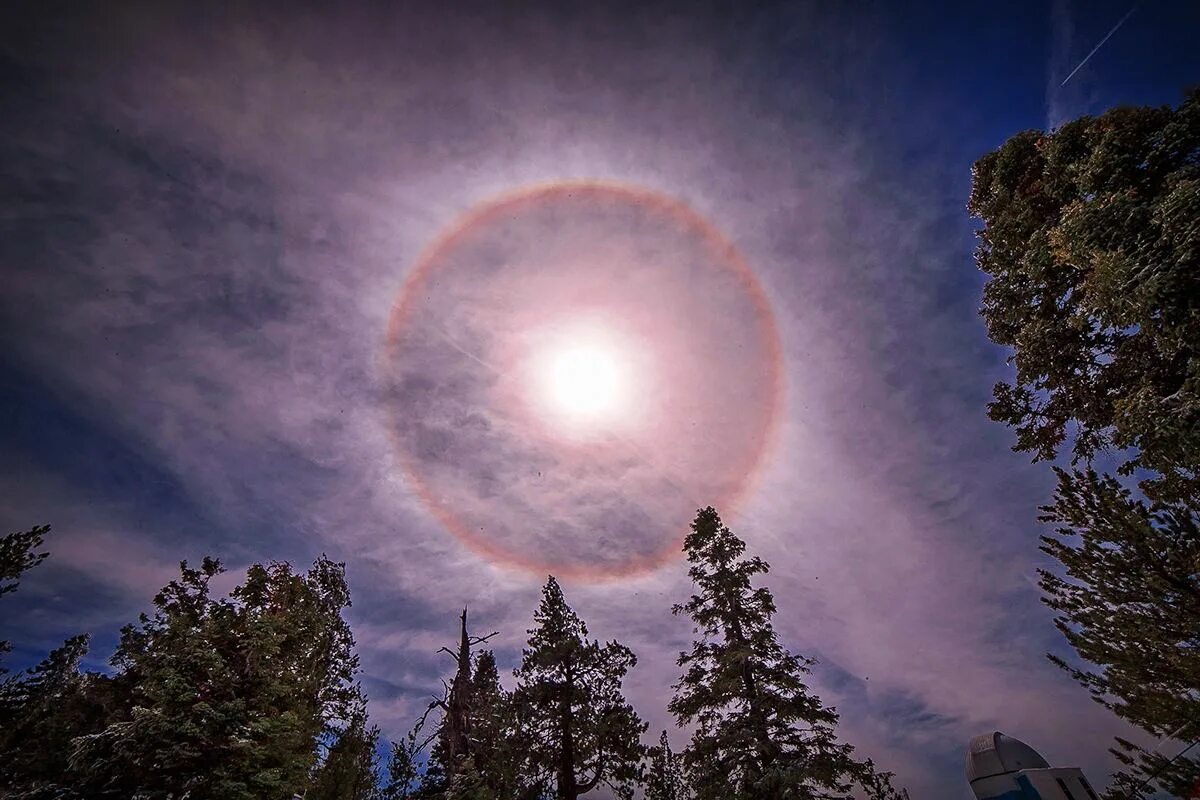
{"points": [[208, 217]]}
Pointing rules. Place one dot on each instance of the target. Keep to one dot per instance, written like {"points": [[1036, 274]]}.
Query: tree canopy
{"points": [[250, 696], [1091, 242], [664, 778], [19, 554], [256, 694]]}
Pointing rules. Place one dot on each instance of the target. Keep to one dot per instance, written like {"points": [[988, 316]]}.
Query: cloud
{"points": [[214, 227]]}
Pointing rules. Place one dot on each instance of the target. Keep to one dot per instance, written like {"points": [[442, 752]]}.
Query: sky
{"points": [[267, 295]]}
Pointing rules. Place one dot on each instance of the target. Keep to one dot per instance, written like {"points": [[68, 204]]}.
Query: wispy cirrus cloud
{"points": [[213, 230]]}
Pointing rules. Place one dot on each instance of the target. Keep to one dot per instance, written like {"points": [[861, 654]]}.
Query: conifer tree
{"points": [[499, 746], [348, 770], [229, 698], [1089, 241], [403, 775], [453, 762], [582, 733], [1129, 602], [664, 778], [760, 733], [41, 713], [46, 707]]}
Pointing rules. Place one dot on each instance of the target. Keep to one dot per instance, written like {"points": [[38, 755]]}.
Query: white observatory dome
{"points": [[995, 754]]}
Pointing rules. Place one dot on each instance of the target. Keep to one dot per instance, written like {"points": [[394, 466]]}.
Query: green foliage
{"points": [[228, 698], [1145, 771], [403, 769], [44, 709], [760, 733], [453, 746], [254, 695], [41, 713], [665, 777], [499, 742], [581, 732], [1129, 603], [480, 747], [1091, 242], [348, 771]]}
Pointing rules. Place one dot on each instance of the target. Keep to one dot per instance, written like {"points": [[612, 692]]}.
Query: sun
{"points": [[585, 380], [582, 378], [574, 368]]}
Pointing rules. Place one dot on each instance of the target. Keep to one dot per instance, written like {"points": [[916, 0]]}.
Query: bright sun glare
{"points": [[585, 380], [582, 378]]}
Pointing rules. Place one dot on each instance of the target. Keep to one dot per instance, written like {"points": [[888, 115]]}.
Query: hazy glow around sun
{"points": [[564, 361], [583, 379]]}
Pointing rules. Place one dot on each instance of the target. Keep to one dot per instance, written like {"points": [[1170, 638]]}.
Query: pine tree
{"points": [[41, 712], [452, 762], [582, 733], [228, 698], [46, 707], [1089, 240], [348, 770], [760, 733], [454, 743], [664, 778], [403, 775], [1129, 602], [499, 745]]}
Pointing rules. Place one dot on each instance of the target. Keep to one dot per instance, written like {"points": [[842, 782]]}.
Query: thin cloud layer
{"points": [[217, 215], [529, 479]]}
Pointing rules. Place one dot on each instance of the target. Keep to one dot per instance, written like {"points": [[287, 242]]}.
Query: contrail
{"points": [[446, 338], [1128, 14]]}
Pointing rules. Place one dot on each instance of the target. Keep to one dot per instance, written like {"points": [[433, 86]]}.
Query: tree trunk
{"points": [[567, 788], [458, 704], [754, 703]]}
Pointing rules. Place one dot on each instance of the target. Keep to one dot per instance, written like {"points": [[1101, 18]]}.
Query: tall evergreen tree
{"points": [[499, 745], [229, 698], [1090, 240], [348, 771], [760, 733], [664, 778], [1129, 602], [402, 778], [456, 759], [582, 732]]}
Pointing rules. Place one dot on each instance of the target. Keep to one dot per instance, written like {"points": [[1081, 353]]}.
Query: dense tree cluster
{"points": [[256, 695], [759, 731], [248, 696], [1091, 239]]}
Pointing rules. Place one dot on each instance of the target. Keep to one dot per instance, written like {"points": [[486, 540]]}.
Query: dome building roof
{"points": [[996, 754]]}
